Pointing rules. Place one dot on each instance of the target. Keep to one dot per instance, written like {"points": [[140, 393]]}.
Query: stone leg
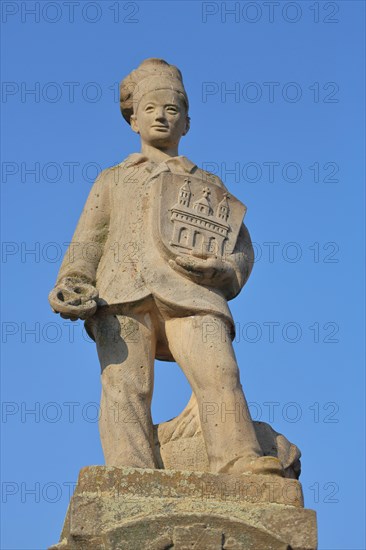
{"points": [[126, 350], [207, 358]]}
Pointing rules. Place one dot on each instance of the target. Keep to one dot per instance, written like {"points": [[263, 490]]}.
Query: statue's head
{"points": [[154, 102]]}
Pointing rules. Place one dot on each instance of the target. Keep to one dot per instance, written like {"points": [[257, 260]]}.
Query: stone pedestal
{"points": [[137, 509]]}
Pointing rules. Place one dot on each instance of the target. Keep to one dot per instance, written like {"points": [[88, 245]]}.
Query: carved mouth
{"points": [[164, 128]]}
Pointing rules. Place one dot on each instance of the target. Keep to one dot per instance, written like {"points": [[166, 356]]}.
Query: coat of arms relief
{"points": [[198, 228], [194, 218]]}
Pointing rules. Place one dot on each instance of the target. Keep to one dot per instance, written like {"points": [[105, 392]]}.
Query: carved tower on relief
{"points": [[196, 228]]}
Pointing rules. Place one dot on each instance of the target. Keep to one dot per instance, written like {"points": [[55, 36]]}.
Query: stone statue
{"points": [[158, 251]]}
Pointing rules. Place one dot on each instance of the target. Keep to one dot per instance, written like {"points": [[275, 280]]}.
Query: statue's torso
{"points": [[132, 267]]}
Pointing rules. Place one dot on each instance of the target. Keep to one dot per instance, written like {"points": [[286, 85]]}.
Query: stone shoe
{"points": [[265, 465]]}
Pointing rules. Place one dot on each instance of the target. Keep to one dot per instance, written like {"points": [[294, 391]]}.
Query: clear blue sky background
{"points": [[312, 211]]}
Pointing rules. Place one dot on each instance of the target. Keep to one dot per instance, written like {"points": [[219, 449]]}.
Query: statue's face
{"points": [[161, 119]]}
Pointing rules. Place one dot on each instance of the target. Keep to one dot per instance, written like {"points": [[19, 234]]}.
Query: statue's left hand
{"points": [[202, 270]]}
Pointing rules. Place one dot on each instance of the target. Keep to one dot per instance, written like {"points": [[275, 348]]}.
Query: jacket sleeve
{"points": [[85, 250], [241, 260]]}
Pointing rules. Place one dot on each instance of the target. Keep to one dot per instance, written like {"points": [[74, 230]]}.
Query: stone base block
{"points": [[137, 509]]}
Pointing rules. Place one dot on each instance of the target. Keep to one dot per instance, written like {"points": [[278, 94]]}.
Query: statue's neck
{"points": [[158, 155]]}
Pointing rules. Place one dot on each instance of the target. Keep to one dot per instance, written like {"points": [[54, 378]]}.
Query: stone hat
{"points": [[152, 74]]}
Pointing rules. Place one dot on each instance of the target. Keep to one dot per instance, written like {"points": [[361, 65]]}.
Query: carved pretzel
{"points": [[74, 299]]}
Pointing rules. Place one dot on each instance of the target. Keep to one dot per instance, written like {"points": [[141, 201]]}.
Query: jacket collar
{"points": [[179, 164]]}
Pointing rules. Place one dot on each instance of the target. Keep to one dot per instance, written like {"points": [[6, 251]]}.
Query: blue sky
{"points": [[276, 94]]}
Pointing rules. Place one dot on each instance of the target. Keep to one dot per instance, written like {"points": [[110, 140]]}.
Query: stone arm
{"points": [[228, 275], [241, 261], [83, 255], [75, 295]]}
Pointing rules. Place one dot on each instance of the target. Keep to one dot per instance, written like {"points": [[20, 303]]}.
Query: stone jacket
{"points": [[113, 249]]}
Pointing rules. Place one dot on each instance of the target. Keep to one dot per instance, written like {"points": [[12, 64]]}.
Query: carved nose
{"points": [[160, 115]]}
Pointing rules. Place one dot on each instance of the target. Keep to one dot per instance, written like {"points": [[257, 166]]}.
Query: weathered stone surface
{"points": [[134, 509], [179, 444], [159, 250]]}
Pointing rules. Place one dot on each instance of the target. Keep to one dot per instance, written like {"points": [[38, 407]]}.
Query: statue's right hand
{"points": [[73, 299]]}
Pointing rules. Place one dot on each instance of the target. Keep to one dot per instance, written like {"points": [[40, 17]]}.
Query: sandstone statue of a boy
{"points": [[159, 249]]}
